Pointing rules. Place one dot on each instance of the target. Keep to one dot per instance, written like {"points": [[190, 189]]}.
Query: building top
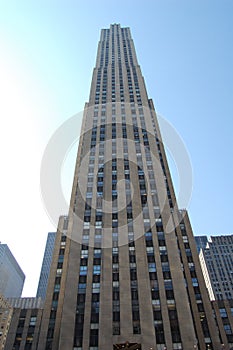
{"points": [[5, 253], [11, 275], [26, 303], [222, 239]]}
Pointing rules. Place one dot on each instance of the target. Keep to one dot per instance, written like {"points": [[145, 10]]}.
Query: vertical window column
{"points": [[115, 291], [81, 298]]}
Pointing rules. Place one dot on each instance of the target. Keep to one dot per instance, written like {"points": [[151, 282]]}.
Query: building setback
{"points": [[125, 270], [11, 275]]}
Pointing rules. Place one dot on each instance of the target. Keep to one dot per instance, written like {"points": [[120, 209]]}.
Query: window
{"points": [[152, 267], [83, 270], [227, 329], [223, 313]]}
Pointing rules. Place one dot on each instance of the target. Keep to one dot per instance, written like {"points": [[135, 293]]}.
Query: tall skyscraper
{"points": [[125, 271], [11, 275], [46, 264], [217, 266]]}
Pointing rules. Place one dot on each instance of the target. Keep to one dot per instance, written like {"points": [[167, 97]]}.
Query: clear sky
{"points": [[48, 51]]}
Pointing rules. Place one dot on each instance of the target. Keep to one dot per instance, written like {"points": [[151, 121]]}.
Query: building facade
{"points": [[125, 269], [46, 264], [11, 275], [223, 310]]}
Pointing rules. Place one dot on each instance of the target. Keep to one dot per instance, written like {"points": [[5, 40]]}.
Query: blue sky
{"points": [[48, 52]]}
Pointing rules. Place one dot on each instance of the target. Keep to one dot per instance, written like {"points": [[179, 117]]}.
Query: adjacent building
{"points": [[125, 270], [216, 258], [24, 328], [11, 275], [46, 264], [6, 311], [217, 266]]}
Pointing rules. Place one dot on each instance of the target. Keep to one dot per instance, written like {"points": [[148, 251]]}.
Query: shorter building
{"points": [[46, 264], [6, 312], [11, 275], [25, 323], [217, 266]]}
